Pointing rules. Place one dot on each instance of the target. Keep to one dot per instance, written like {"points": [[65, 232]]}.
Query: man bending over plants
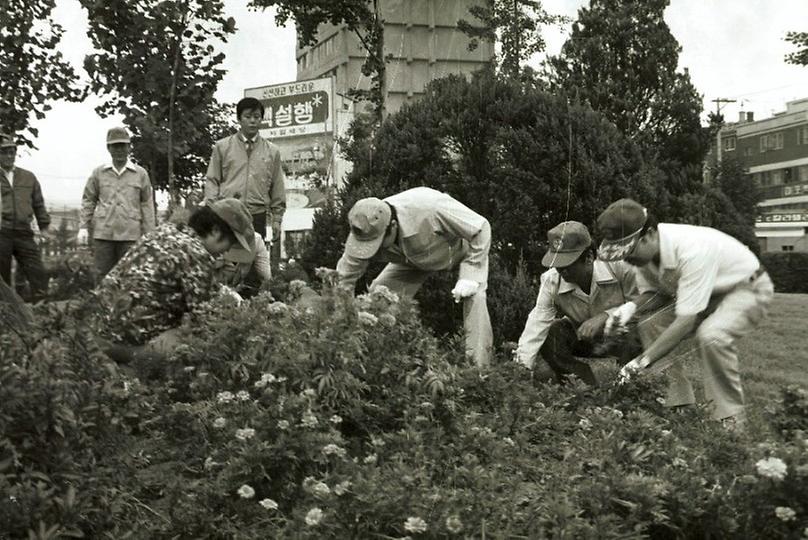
{"points": [[576, 296], [167, 274], [417, 232], [714, 286]]}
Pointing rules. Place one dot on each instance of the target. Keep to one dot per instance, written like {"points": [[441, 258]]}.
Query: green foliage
{"points": [[787, 270], [798, 39], [156, 64], [712, 207], [34, 72]]}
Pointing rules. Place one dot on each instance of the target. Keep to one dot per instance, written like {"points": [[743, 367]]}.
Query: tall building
{"points": [[775, 151], [421, 41]]}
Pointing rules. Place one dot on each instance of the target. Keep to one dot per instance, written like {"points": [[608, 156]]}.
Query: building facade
{"points": [[421, 41], [775, 151]]}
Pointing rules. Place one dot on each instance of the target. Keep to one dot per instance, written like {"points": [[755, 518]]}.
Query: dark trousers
{"points": [[21, 246], [107, 253], [562, 346]]}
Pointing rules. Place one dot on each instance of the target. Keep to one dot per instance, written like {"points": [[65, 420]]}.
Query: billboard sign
{"points": [[296, 108]]}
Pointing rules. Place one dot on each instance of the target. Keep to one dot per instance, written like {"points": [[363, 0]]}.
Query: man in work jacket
{"points": [[691, 280], [21, 200], [247, 167], [420, 231], [575, 298], [118, 201]]}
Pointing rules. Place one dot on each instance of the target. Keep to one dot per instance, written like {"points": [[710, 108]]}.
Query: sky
{"points": [[732, 48]]}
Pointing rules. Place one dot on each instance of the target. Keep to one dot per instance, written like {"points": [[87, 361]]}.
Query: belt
{"points": [[756, 274]]}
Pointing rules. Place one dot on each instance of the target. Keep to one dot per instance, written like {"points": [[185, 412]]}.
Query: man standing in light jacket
{"points": [[118, 202], [21, 200], [420, 231], [247, 167], [576, 296]]}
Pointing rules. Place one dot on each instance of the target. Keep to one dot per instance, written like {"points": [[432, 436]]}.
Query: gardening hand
{"points": [[464, 288], [632, 368], [619, 318], [593, 327], [82, 236]]}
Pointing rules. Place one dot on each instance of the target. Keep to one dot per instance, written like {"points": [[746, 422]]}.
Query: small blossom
{"points": [[246, 492], [243, 395], [371, 459], [260, 383], [384, 292], [785, 513], [415, 525], [309, 393], [320, 489], [219, 423], [283, 424], [333, 450], [224, 397], [209, 463], [585, 423], [772, 467], [679, 462], [188, 369], [376, 441], [342, 487], [387, 320], [453, 524], [421, 418], [309, 420], [313, 517], [665, 432], [618, 413], [509, 441], [277, 308], [244, 434], [269, 504], [336, 419], [368, 319], [660, 400]]}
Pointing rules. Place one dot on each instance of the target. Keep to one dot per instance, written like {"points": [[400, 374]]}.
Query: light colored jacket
{"points": [[120, 208], [613, 284], [435, 232], [257, 180]]}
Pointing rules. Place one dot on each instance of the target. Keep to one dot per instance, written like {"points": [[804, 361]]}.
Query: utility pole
{"points": [[718, 104]]}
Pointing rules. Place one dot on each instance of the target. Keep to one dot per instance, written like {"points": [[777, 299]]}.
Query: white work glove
{"points": [[227, 291], [464, 288], [619, 318], [635, 366], [82, 237]]}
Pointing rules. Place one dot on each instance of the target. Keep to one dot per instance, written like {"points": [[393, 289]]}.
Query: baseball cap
{"points": [[368, 219], [620, 226], [118, 135], [7, 140], [566, 241], [235, 214]]}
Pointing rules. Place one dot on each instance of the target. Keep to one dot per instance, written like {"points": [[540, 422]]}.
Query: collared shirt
{"points": [[119, 204], [256, 179], [21, 200], [165, 275], [694, 264], [435, 232], [613, 284]]}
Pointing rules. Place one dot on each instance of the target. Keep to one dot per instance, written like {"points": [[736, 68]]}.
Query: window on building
{"points": [[778, 140], [802, 135], [729, 144], [777, 177], [764, 143], [748, 151], [802, 173], [772, 141], [787, 248]]}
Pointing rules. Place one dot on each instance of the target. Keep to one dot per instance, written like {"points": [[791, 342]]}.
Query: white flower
{"points": [[371, 459], [188, 369], [384, 292], [313, 517], [244, 434], [336, 419], [333, 449], [453, 524], [310, 393], [320, 489], [268, 378], [665, 432], [679, 462], [309, 420], [387, 320], [376, 441], [509, 441], [209, 463], [585, 423], [243, 395], [618, 413], [772, 467], [342, 487], [785, 513], [219, 422], [415, 525], [269, 504], [246, 492], [276, 308], [260, 383], [224, 397], [283, 424], [368, 319]]}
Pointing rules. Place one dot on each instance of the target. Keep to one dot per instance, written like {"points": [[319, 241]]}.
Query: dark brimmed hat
{"points": [[567, 241], [235, 214], [620, 225], [368, 219], [7, 141]]}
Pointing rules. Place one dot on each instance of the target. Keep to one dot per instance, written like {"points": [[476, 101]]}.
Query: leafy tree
{"points": [[156, 63], [516, 23], [33, 71], [621, 59], [362, 17], [799, 57]]}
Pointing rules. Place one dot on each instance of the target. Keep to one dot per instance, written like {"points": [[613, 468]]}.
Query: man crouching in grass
{"points": [[167, 274]]}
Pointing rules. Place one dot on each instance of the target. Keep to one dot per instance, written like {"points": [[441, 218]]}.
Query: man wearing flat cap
{"points": [[118, 202], [575, 298], [167, 274], [417, 232], [691, 279], [21, 201]]}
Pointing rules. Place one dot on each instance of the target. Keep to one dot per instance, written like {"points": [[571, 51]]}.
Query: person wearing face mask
{"points": [[692, 280], [576, 296], [418, 232], [117, 202]]}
